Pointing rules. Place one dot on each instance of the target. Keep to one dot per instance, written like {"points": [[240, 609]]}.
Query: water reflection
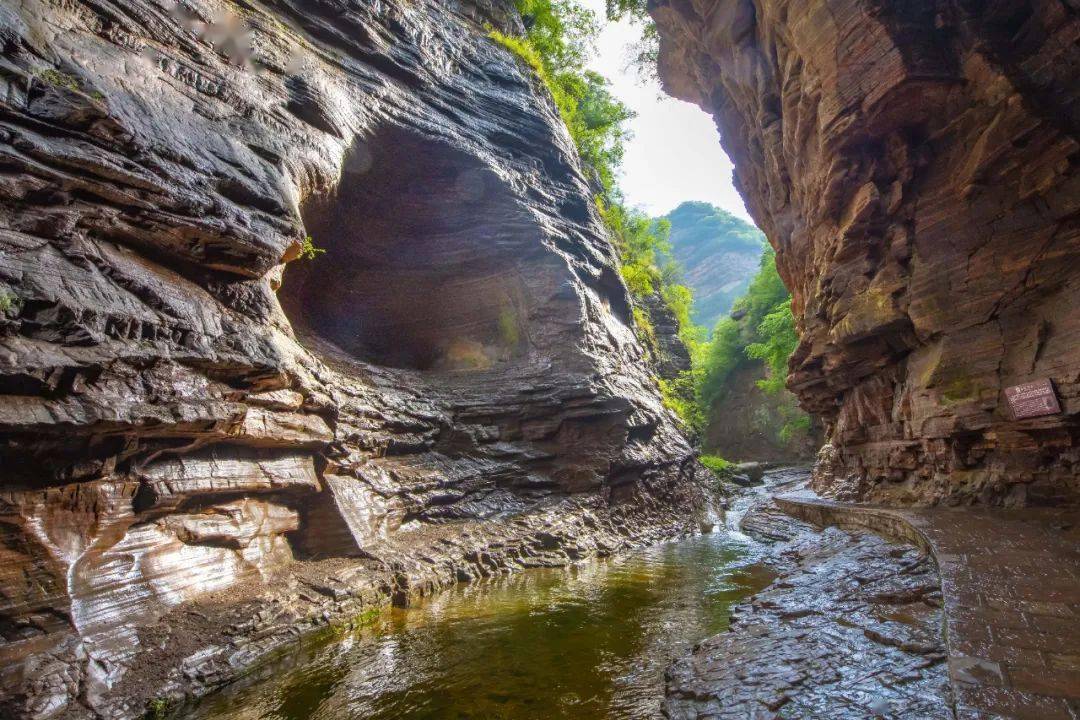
{"points": [[590, 641]]}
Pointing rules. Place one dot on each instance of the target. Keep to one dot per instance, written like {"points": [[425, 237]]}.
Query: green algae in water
{"points": [[590, 641]]}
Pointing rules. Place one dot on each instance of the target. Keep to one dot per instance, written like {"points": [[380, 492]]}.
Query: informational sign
{"points": [[1033, 399]]}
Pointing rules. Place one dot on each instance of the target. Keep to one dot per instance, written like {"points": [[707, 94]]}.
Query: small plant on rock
{"points": [[54, 77], [509, 331], [10, 304], [720, 467], [308, 249], [158, 709]]}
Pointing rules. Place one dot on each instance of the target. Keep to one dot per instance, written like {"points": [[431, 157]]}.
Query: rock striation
{"points": [[211, 440], [915, 167]]}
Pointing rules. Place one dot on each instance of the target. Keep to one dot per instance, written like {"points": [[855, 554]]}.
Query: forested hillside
{"points": [[718, 253]]}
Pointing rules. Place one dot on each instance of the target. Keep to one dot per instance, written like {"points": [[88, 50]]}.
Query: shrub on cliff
{"points": [[556, 45]]}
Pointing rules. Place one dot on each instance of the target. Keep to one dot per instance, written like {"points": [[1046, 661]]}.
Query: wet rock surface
{"points": [[915, 165], [851, 629], [1010, 582], [195, 423]]}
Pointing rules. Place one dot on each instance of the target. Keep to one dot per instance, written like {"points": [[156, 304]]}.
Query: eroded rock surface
{"points": [[202, 452], [851, 629], [915, 167]]}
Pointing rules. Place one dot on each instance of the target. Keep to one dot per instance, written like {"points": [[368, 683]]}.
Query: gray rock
{"points": [[195, 424]]}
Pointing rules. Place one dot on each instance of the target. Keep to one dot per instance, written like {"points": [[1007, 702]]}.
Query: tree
{"points": [[647, 50]]}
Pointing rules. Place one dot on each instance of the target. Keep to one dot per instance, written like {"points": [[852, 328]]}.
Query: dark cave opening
{"points": [[422, 270]]}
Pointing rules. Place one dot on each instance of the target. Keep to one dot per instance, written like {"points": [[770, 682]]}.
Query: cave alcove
{"points": [[425, 247]]}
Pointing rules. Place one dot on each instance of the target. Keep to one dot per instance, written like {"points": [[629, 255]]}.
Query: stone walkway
{"points": [[1011, 590]]}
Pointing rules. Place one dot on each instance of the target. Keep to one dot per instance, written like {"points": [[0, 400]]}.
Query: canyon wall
{"points": [[915, 167], [213, 436]]}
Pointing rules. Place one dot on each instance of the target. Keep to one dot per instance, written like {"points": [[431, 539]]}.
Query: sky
{"points": [[674, 154]]}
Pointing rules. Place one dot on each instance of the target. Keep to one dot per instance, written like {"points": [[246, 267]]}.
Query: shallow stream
{"points": [[590, 641]]}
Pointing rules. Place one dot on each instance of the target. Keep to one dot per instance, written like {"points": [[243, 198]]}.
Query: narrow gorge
{"points": [[312, 309], [915, 167]]}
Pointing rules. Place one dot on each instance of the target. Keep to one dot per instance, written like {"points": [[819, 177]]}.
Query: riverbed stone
{"points": [[1010, 584]]}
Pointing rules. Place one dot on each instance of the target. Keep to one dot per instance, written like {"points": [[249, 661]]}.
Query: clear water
{"points": [[590, 641]]}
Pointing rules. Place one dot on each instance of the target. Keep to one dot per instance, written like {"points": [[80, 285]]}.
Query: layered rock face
{"points": [[915, 167], [451, 390]]}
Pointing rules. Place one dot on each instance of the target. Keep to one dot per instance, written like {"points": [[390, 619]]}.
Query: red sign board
{"points": [[1033, 399]]}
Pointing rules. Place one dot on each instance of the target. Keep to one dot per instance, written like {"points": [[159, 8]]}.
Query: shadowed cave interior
{"points": [[423, 264]]}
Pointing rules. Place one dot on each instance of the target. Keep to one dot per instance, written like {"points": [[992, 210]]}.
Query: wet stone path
{"points": [[851, 630], [1010, 582]]}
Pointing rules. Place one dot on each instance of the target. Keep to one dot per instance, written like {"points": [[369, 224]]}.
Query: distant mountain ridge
{"points": [[719, 254]]}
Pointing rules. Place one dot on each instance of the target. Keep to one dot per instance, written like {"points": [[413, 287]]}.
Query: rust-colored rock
{"points": [[452, 390], [915, 167]]}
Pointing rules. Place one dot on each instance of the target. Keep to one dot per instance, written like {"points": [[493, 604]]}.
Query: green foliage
{"points": [[59, 79], [158, 709], [680, 300], [638, 279], [10, 304], [719, 466], [616, 9], [796, 425], [598, 128], [644, 246], [645, 330], [509, 332], [716, 360], [640, 242], [766, 291], [524, 51], [678, 396], [727, 349], [56, 78], [765, 331], [308, 250], [556, 45], [562, 31], [778, 341], [648, 269]]}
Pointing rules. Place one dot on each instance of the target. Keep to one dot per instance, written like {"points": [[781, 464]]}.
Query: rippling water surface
{"points": [[590, 641]]}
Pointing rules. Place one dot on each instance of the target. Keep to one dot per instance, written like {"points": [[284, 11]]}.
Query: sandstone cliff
{"points": [[208, 443], [915, 167]]}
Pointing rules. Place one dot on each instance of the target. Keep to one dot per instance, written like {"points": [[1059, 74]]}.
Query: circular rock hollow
{"points": [[425, 247]]}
